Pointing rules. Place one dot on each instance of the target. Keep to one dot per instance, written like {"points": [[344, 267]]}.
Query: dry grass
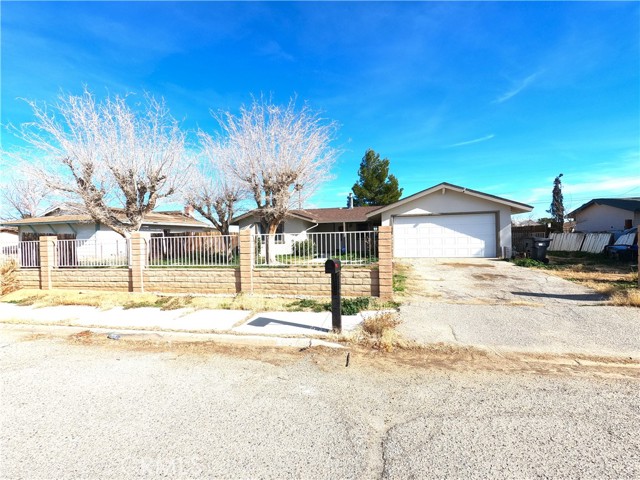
{"points": [[108, 300], [626, 298], [615, 280], [465, 265], [9, 277]]}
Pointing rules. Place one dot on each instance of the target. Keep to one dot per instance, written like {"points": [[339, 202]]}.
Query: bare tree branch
{"points": [[274, 151], [107, 154], [23, 195], [213, 193]]}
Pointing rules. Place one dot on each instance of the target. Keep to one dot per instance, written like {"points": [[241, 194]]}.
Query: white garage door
{"points": [[472, 235]]}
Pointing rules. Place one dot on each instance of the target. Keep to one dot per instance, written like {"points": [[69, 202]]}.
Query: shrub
{"points": [[304, 248], [353, 306], [399, 282], [528, 263]]}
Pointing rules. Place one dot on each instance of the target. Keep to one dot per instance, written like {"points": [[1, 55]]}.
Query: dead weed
{"points": [[378, 331], [9, 277]]}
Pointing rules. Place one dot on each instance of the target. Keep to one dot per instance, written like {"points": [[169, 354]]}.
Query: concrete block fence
{"points": [[371, 280]]}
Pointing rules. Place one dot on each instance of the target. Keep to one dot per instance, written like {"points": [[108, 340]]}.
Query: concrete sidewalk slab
{"points": [[47, 314], [145, 318], [295, 323]]}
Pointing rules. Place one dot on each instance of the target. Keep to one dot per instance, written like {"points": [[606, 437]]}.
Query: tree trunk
{"points": [[270, 244]]}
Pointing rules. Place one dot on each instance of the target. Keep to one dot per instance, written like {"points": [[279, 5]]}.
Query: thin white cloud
{"points": [[469, 142], [274, 50], [518, 88]]}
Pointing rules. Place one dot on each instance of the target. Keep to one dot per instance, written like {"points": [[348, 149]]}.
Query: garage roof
{"points": [[516, 207]]}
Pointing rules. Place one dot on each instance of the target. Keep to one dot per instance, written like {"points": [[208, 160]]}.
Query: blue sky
{"points": [[498, 97]]}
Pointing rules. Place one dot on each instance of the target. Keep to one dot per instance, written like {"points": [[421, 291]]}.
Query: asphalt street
{"points": [[77, 409]]}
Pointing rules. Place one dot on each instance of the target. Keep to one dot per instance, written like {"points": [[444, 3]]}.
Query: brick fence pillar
{"points": [[246, 262], [48, 261], [137, 257], [385, 262]]}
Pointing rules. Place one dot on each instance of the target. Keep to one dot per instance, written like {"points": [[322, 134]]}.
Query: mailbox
{"points": [[332, 266]]}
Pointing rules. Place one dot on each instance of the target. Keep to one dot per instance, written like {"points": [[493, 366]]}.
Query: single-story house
{"points": [[95, 240], [8, 235], [442, 221], [72, 226], [607, 215]]}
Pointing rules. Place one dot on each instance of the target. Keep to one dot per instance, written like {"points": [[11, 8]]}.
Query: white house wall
{"points": [[7, 238], [604, 218], [450, 202]]}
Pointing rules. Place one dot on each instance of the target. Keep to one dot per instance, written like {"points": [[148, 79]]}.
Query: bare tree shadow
{"points": [[577, 297]]}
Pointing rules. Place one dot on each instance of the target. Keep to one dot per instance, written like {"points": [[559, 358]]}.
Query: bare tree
{"points": [[274, 151], [211, 192], [106, 154], [23, 195]]}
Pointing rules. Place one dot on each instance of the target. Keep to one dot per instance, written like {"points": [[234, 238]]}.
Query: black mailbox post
{"points": [[333, 267]]}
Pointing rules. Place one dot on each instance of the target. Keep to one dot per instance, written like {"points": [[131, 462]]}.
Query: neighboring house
{"points": [[8, 242], [607, 215], [442, 221], [95, 239], [8, 235], [82, 227]]}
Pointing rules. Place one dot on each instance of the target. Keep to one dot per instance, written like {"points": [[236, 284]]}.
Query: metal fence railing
{"points": [[92, 253], [351, 248], [25, 254], [193, 251]]}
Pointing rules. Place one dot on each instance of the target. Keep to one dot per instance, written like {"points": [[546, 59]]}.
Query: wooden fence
{"points": [[580, 242]]}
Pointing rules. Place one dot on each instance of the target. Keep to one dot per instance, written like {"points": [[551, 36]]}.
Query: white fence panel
{"points": [[595, 242], [193, 251], [26, 254], [308, 248], [92, 253], [9, 251], [626, 239], [566, 242]]}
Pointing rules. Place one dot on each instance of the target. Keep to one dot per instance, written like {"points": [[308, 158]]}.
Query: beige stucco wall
{"points": [[375, 280], [192, 280], [356, 281], [604, 218], [439, 203], [111, 279], [29, 278]]}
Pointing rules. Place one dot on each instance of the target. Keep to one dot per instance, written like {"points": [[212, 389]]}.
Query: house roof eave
{"points": [[516, 207]]}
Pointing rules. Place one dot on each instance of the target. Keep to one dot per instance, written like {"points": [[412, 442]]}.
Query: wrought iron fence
{"points": [[193, 251], [92, 253], [351, 248], [26, 254]]}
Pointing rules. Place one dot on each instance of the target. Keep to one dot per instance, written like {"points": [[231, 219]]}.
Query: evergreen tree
{"points": [[557, 207], [375, 186]]}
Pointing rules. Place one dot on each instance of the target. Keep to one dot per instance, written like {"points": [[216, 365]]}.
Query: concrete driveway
{"points": [[495, 304]]}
